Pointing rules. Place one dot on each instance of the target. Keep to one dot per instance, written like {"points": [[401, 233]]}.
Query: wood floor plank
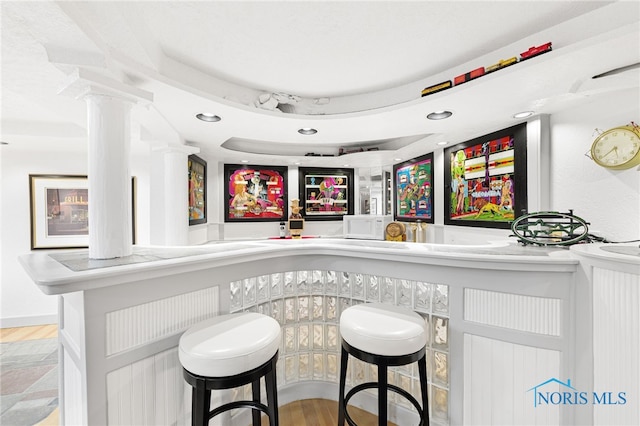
{"points": [[16, 334], [52, 420], [311, 413], [297, 413], [320, 412]]}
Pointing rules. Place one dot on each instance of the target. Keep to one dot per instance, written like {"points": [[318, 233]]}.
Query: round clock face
{"points": [[617, 148]]}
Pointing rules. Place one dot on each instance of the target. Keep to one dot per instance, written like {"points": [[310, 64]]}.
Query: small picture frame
{"points": [[197, 190], [59, 211]]}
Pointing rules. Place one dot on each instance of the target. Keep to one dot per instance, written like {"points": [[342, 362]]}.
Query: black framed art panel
{"points": [[255, 193], [486, 179], [413, 189], [326, 194]]}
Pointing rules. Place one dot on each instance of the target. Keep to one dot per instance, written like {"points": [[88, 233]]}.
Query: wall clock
{"points": [[617, 148]]}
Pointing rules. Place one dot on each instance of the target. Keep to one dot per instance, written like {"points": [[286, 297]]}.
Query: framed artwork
{"points": [[197, 190], [59, 211], [327, 194], [255, 193], [486, 179], [134, 208], [413, 187]]}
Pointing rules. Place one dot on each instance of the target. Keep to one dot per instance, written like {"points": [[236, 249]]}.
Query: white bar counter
{"points": [[503, 320], [608, 332]]}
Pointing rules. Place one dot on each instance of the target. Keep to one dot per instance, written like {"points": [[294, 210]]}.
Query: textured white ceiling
{"points": [[367, 61], [323, 49]]}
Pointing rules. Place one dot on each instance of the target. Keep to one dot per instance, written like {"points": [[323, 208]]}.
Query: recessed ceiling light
{"points": [[4, 143], [297, 163], [442, 143], [307, 131], [244, 161], [397, 159], [207, 116], [439, 115], [523, 114], [345, 165]]}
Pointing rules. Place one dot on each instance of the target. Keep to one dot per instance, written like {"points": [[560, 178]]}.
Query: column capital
{"points": [[82, 83]]}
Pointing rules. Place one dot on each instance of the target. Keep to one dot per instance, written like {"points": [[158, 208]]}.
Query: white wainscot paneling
{"points": [[140, 324], [72, 383], [498, 377], [149, 392], [70, 323], [616, 344], [516, 312]]}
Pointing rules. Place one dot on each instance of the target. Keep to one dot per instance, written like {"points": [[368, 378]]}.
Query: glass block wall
{"points": [[308, 304]]}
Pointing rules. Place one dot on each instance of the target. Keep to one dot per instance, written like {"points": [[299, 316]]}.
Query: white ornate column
{"points": [[109, 105], [169, 195]]}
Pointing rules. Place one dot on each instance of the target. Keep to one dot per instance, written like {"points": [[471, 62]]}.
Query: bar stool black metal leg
{"points": [[344, 357], [200, 400], [255, 391], [422, 369], [272, 396], [382, 395]]}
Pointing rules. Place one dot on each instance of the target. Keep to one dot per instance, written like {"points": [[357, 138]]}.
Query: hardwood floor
{"points": [[307, 412], [320, 412], [28, 333]]}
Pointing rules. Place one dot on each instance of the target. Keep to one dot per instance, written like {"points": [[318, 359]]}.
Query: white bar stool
{"points": [[383, 335], [228, 351]]}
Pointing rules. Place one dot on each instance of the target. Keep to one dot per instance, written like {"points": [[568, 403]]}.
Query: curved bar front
{"points": [[501, 317]]}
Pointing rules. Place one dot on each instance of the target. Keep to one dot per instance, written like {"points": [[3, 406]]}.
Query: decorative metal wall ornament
{"points": [[550, 229]]}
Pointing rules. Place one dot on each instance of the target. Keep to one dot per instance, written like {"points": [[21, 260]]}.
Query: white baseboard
{"points": [[27, 321]]}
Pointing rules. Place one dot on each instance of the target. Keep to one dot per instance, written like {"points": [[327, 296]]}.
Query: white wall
{"points": [[141, 170], [22, 303], [608, 199]]}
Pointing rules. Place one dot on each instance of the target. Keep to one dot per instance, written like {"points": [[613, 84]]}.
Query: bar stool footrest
{"points": [[239, 404], [374, 385]]}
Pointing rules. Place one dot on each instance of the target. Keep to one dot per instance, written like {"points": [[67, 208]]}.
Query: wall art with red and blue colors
{"points": [[255, 193], [486, 179]]}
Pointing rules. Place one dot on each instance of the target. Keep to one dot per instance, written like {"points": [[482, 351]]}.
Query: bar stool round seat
{"points": [[384, 335], [228, 351]]}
